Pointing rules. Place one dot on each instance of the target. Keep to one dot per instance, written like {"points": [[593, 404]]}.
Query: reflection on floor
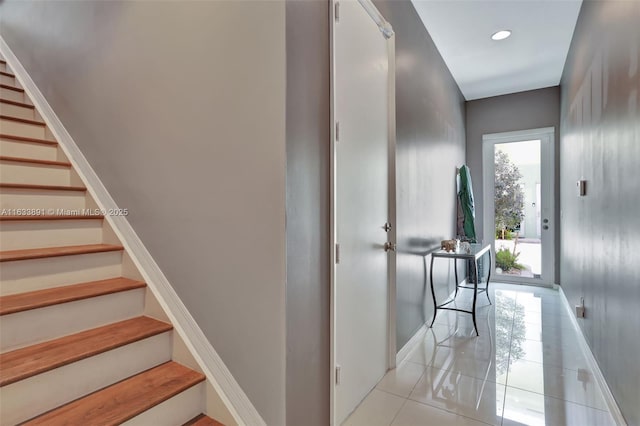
{"points": [[526, 368]]}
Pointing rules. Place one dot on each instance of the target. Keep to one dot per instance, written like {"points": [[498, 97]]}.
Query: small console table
{"points": [[476, 252]]}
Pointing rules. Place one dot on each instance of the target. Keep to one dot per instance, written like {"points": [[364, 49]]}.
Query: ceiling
{"points": [[532, 58]]}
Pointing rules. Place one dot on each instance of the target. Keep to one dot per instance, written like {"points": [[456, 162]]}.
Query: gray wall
{"points": [[308, 143], [519, 111], [430, 145], [600, 233], [180, 109]]}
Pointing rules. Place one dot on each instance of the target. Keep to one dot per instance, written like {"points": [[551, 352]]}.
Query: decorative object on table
{"points": [[449, 245], [465, 247]]}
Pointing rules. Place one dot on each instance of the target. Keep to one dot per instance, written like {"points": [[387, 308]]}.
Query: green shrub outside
{"points": [[507, 260]]}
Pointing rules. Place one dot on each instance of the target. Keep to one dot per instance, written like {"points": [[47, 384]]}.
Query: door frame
{"points": [[546, 135], [386, 32]]}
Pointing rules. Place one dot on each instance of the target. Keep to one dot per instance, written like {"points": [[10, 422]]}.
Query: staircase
{"points": [[82, 339]]}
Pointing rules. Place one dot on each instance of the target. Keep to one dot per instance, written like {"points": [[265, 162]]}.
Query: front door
{"points": [[361, 102], [519, 205]]}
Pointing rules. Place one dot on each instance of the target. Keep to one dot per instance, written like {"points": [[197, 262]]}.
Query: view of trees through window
{"points": [[517, 208]]}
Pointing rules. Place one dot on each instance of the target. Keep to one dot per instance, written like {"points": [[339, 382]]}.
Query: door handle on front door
{"points": [[389, 247]]}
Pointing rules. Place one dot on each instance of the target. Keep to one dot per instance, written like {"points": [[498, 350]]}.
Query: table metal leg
{"points": [[475, 295], [489, 276], [455, 271], [433, 294]]}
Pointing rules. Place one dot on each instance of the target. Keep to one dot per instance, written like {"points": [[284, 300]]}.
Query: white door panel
{"points": [[361, 173]]}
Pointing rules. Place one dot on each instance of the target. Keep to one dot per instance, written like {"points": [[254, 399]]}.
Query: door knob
{"points": [[389, 246], [387, 227]]}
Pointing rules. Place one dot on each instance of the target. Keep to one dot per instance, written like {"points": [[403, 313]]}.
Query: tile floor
{"points": [[525, 368]]}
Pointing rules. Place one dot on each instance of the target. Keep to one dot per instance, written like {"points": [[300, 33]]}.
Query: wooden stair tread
{"points": [[124, 400], [202, 420], [22, 120], [17, 138], [13, 303], [16, 103], [42, 187], [15, 89], [39, 253], [36, 359], [50, 217], [35, 161]]}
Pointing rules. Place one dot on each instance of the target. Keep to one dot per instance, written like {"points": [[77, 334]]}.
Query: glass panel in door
{"points": [[518, 209]]}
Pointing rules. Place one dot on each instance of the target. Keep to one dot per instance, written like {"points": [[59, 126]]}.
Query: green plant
{"points": [[507, 260], [509, 196], [504, 234]]}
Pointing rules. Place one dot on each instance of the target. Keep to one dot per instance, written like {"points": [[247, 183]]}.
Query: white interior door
{"points": [[531, 152], [361, 113]]}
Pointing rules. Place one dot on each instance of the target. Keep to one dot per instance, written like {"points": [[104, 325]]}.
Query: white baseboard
{"points": [[612, 405], [412, 343], [212, 365]]}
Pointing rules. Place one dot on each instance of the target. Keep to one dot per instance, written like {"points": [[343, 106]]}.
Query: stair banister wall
{"points": [[230, 392]]}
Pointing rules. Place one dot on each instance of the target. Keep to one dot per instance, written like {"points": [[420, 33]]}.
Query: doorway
{"points": [[518, 182], [363, 203]]}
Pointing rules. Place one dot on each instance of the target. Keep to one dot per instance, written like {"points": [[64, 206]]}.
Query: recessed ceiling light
{"points": [[501, 35]]}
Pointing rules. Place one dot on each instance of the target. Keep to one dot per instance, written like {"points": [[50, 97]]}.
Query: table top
{"points": [[477, 251]]}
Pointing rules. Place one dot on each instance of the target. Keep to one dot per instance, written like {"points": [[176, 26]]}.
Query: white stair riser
{"points": [[39, 325], [17, 111], [9, 81], [174, 411], [41, 199], [16, 235], [28, 398], [37, 174], [22, 129], [3, 67], [35, 151], [11, 95], [36, 274]]}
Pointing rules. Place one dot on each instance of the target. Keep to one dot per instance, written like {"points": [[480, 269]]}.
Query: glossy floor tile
{"points": [[378, 409], [525, 368], [552, 352], [529, 408], [467, 396], [575, 386], [402, 380], [417, 414]]}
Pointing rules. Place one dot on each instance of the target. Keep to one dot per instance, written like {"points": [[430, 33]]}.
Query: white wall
{"points": [[180, 109]]}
